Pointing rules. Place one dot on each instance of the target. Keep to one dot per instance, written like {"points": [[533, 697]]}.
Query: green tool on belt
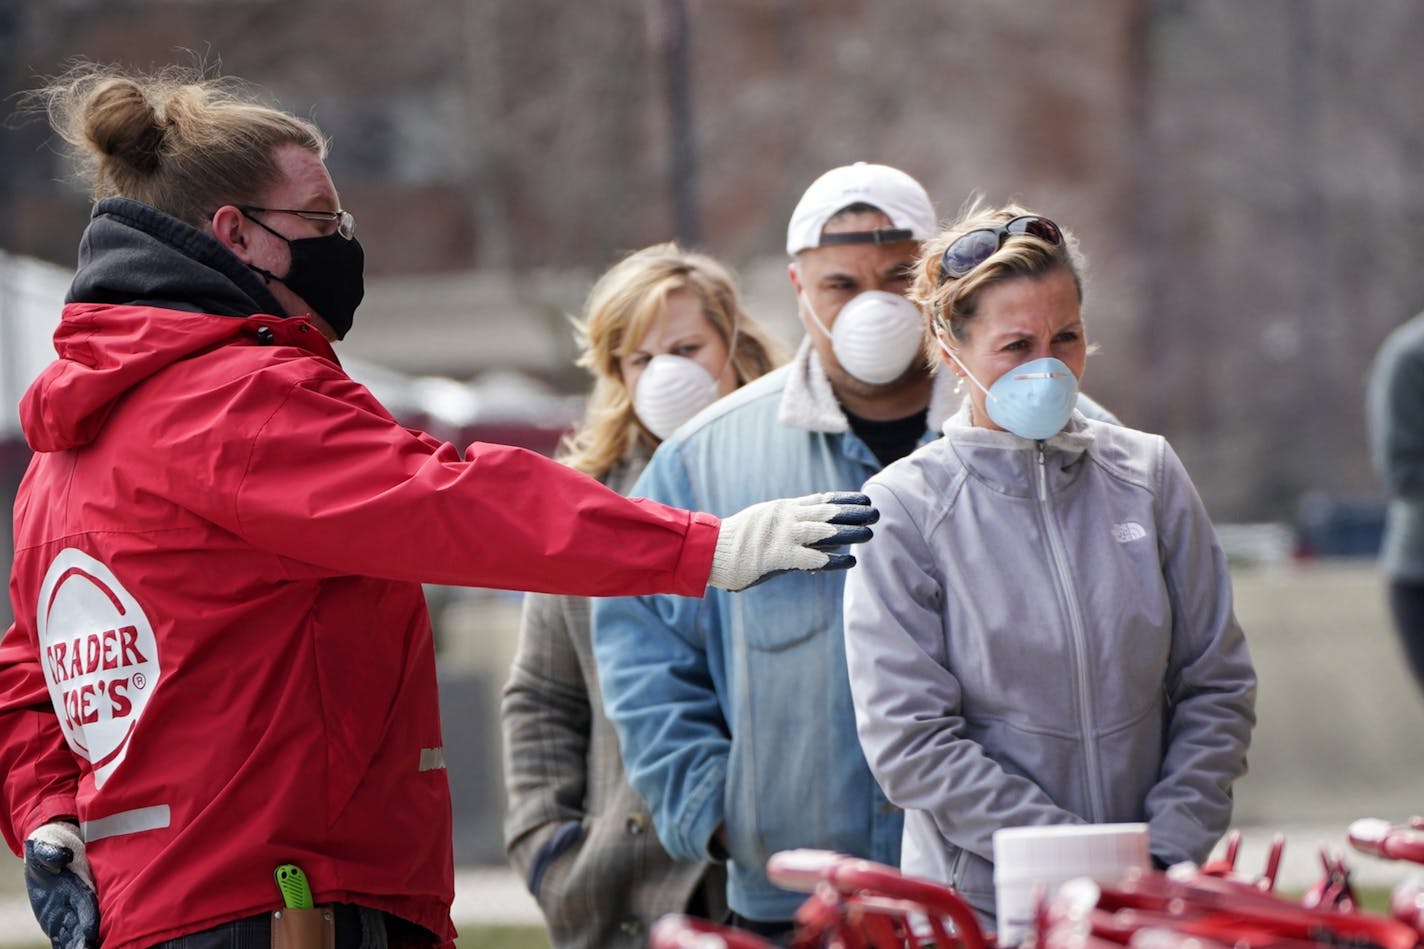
{"points": [[296, 893]]}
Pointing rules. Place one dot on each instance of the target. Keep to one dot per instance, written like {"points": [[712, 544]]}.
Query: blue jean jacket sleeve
{"points": [[660, 694]]}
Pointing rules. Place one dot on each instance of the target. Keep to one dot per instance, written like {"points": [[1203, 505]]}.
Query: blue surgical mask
{"points": [[1034, 400]]}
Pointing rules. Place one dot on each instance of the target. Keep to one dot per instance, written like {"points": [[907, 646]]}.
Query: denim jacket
{"points": [[736, 708]]}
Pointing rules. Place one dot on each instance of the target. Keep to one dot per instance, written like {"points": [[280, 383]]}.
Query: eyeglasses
{"points": [[345, 221], [977, 246]]}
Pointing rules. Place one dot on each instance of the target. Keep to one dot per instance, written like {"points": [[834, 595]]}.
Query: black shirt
{"points": [[892, 440]]}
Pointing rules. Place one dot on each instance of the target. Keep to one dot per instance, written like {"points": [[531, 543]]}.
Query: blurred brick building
{"points": [[1245, 178]]}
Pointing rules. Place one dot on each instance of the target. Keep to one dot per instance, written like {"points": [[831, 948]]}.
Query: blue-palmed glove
{"points": [[772, 537], [60, 886]]}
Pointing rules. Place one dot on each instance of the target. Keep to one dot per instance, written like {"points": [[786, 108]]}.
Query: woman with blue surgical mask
{"points": [[1041, 630], [664, 334]]}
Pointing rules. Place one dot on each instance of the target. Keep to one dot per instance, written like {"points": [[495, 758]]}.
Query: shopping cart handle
{"points": [[1383, 839], [678, 931], [801, 870], [1367, 835]]}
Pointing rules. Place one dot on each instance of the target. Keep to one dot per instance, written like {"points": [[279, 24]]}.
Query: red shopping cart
{"points": [[676, 931], [1333, 890], [1213, 906], [1396, 842], [858, 904], [853, 904]]}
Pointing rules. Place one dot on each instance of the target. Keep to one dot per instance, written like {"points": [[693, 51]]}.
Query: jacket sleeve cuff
{"points": [[704, 813], [52, 808], [695, 564], [565, 836], [1169, 843]]}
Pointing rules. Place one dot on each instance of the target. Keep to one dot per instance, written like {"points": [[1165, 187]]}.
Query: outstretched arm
{"points": [[383, 501]]}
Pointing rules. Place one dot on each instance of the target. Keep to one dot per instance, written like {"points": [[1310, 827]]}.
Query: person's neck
{"points": [[900, 403]]}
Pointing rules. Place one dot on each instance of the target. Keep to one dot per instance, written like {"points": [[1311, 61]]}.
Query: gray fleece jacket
{"points": [[1042, 633]]}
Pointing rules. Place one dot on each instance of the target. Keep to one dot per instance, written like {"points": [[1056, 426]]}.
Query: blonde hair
{"points": [[177, 140], [952, 303], [620, 309]]}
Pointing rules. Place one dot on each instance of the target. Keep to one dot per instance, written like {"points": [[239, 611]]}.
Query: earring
{"points": [[959, 386]]}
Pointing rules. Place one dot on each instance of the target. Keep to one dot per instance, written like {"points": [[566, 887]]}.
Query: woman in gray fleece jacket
{"points": [[1041, 630]]}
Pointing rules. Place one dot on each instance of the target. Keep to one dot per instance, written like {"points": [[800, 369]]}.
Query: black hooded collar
{"points": [[132, 253]]}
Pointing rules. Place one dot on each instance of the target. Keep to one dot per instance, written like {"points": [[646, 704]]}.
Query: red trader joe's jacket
{"points": [[221, 659]]}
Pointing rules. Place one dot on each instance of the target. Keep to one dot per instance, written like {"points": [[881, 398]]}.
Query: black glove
{"points": [[60, 887]]}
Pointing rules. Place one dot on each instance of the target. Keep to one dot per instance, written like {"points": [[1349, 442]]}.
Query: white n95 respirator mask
{"points": [[671, 390], [876, 337]]}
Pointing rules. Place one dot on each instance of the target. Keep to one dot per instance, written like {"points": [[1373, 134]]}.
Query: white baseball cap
{"points": [[900, 197]]}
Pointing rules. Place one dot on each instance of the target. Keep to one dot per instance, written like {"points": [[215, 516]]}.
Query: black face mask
{"points": [[326, 272]]}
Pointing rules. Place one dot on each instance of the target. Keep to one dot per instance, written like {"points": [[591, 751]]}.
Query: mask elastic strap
{"points": [[267, 275], [950, 353], [264, 227], [814, 317]]}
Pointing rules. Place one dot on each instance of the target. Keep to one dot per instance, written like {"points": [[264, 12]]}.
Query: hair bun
{"points": [[124, 126], [176, 139]]}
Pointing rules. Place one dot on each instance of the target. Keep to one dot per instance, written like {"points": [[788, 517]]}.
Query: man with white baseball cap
{"points": [[888, 190], [736, 721], [853, 239]]}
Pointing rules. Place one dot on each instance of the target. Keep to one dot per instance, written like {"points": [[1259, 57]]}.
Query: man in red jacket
{"points": [[221, 660]]}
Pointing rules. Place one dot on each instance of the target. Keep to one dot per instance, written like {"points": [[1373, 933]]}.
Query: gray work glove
{"points": [[773, 537], [60, 886]]}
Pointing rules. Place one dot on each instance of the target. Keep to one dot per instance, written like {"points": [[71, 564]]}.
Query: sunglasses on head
{"points": [[972, 249]]}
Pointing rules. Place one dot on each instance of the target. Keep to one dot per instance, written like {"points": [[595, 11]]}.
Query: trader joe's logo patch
{"points": [[99, 656]]}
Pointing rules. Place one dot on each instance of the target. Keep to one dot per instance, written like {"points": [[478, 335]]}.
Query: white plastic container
{"points": [[1030, 860]]}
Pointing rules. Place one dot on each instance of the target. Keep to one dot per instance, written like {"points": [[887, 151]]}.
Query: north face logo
{"points": [[1128, 531], [99, 657]]}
